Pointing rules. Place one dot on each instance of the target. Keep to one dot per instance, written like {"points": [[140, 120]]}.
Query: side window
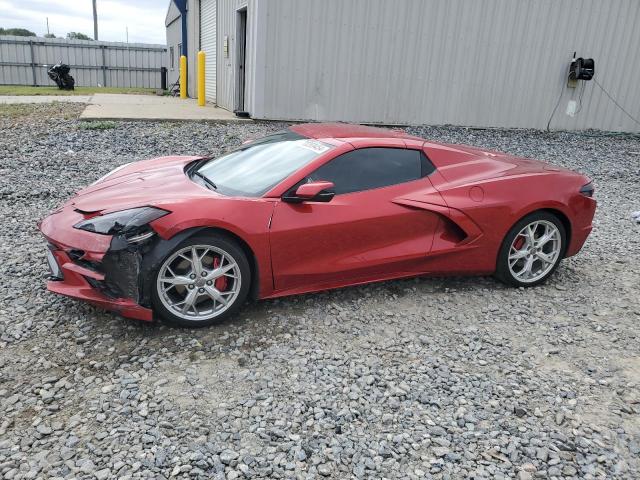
{"points": [[369, 168], [171, 58]]}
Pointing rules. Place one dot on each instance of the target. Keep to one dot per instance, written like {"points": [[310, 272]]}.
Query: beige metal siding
{"points": [[172, 13], [208, 24], [174, 38], [488, 63], [227, 14]]}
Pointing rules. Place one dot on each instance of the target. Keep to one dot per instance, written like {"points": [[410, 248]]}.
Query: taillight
{"points": [[587, 190]]}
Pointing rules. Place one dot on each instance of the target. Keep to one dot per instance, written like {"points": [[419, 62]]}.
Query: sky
{"points": [[145, 18]]}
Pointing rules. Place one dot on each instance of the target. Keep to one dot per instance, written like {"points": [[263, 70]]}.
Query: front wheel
{"points": [[203, 281], [532, 250]]}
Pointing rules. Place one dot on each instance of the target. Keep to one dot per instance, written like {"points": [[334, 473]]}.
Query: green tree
{"points": [[78, 36], [20, 32]]}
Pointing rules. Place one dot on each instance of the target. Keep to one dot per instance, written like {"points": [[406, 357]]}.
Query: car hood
{"points": [[155, 182]]}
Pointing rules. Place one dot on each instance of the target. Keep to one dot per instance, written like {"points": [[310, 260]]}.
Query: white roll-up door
{"points": [[208, 46]]}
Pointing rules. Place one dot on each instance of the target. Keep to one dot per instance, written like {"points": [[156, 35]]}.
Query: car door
{"points": [[361, 234]]}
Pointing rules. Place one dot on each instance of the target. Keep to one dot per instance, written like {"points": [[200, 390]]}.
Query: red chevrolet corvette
{"points": [[315, 207]]}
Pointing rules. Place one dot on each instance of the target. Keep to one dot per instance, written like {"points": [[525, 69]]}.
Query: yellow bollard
{"points": [[183, 76], [201, 93]]}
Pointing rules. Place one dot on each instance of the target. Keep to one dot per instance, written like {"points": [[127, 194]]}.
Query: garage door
{"points": [[208, 46]]}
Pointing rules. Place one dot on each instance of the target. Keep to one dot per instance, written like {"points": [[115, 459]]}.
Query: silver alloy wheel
{"points": [[199, 282], [535, 251]]}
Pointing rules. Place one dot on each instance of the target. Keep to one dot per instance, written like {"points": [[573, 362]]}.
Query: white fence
{"points": [[24, 61]]}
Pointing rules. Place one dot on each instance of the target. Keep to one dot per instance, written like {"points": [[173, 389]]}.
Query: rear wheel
{"points": [[532, 250], [203, 281]]}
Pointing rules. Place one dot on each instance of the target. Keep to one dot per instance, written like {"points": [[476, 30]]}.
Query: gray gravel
{"points": [[427, 378]]}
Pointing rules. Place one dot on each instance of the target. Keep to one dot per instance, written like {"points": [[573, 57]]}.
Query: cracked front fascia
{"points": [[129, 266], [121, 264]]}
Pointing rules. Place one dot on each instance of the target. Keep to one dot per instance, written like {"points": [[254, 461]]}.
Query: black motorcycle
{"points": [[59, 73]]}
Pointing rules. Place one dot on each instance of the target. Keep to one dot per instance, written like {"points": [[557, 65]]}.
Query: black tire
{"points": [[504, 273], [69, 82], [230, 248]]}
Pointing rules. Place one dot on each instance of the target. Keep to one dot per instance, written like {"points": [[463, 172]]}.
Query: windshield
{"points": [[258, 166]]}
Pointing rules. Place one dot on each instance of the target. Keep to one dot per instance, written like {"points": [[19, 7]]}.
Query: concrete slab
{"points": [[151, 107], [112, 106], [44, 98]]}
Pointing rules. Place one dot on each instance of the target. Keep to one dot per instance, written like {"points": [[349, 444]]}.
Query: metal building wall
{"points": [[487, 63], [24, 61], [193, 45], [174, 38], [208, 39], [226, 61]]}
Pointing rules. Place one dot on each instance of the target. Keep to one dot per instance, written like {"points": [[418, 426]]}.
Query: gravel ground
{"points": [[426, 378]]}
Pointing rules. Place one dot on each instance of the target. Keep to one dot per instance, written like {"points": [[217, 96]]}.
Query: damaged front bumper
{"points": [[101, 269]]}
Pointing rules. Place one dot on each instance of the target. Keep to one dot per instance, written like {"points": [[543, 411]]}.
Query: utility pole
{"points": [[48, 27], [127, 33], [95, 21]]}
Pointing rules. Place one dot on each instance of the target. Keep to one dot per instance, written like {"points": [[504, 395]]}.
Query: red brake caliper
{"points": [[221, 282], [518, 243]]}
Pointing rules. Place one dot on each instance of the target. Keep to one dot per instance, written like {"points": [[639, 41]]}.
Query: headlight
{"points": [[125, 221], [117, 169], [587, 190]]}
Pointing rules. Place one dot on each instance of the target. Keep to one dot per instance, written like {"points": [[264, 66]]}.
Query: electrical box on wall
{"points": [[580, 69]]}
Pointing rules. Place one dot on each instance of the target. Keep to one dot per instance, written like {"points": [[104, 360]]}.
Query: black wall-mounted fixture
{"points": [[581, 68]]}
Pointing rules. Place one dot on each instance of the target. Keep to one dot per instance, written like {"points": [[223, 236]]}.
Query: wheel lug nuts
{"points": [[190, 287], [201, 290], [192, 276], [209, 282], [204, 274]]}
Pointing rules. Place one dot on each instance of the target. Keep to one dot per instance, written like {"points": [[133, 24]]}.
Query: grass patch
{"points": [[41, 111], [27, 90], [107, 125], [15, 110]]}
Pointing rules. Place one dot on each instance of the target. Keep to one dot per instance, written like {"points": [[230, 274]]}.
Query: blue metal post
{"points": [[182, 8]]}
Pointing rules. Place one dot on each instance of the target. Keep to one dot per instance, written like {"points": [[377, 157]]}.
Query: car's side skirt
{"points": [[379, 278]]}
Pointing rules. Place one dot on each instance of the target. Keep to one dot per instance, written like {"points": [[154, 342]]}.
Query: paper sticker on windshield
{"points": [[315, 146]]}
